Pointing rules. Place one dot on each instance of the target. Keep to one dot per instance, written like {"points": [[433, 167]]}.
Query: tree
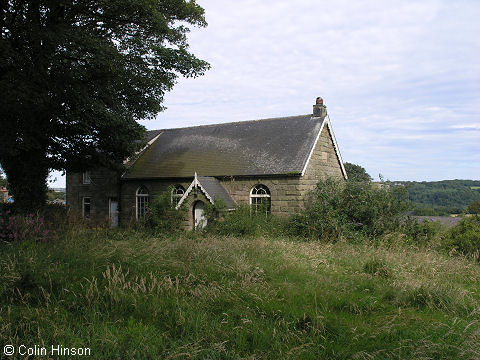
{"points": [[76, 75], [356, 172], [474, 208]]}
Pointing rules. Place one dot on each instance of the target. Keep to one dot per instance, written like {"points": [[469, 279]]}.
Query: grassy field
{"points": [[129, 295]]}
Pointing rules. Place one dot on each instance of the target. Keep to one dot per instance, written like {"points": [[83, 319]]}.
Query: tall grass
{"points": [[131, 295]]}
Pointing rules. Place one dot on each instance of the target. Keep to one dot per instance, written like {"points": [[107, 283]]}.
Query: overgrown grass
{"points": [[129, 295]]}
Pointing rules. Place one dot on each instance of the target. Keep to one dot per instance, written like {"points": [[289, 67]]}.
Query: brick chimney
{"points": [[319, 110]]}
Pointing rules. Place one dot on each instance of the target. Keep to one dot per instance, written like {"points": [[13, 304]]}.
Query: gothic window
{"points": [[260, 199], [142, 202], [177, 192]]}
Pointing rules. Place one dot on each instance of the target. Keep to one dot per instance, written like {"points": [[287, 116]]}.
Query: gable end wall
{"points": [[323, 163]]}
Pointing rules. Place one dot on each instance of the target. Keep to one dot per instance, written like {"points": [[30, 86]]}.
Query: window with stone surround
{"points": [[86, 177], [260, 199], [142, 198], [86, 206], [177, 192]]}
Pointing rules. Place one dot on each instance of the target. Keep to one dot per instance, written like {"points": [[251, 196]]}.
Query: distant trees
{"points": [[442, 197], [356, 172]]}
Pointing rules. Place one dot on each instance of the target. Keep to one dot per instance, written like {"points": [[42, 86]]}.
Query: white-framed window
{"points": [[86, 177], [142, 202], [260, 199], [177, 192], [86, 206]]}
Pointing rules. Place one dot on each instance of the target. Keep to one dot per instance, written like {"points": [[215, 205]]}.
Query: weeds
{"points": [[352, 210], [162, 215], [131, 295], [246, 222], [465, 238]]}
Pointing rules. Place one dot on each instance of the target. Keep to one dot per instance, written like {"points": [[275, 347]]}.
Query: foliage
{"points": [[31, 227], [76, 76], [421, 210], [216, 211], [130, 295], [474, 208], [243, 221], [356, 172], [465, 237], [442, 197], [337, 209], [163, 216], [422, 233]]}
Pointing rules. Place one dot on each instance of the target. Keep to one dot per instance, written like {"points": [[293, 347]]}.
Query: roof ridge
{"points": [[233, 122]]}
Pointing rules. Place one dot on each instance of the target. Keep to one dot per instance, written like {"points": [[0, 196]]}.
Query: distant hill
{"points": [[442, 197], [57, 189]]}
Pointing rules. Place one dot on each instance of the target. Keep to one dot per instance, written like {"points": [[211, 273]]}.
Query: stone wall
{"points": [[323, 163], [289, 193], [103, 187], [129, 194], [284, 191]]}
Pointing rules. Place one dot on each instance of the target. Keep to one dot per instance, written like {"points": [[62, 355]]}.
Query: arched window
{"points": [[142, 202], [177, 192], [260, 199]]}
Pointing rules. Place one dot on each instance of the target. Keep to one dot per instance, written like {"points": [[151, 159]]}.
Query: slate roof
{"points": [[215, 190], [260, 147]]}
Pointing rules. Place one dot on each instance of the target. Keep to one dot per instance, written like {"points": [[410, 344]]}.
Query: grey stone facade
{"points": [[103, 188]]}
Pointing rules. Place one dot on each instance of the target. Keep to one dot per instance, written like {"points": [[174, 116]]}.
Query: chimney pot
{"points": [[319, 110]]}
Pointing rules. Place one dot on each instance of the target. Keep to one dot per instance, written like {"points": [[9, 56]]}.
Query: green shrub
{"points": [[216, 211], [474, 208], [465, 237], [243, 221], [352, 209], [163, 216], [422, 233]]}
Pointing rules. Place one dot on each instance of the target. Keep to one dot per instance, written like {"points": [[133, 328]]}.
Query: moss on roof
{"points": [[260, 147]]}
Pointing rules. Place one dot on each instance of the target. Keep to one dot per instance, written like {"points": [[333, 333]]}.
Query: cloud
{"points": [[400, 78]]}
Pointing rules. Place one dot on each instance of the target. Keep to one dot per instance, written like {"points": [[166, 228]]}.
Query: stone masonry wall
{"points": [[129, 194], [284, 191], [323, 163], [289, 193], [103, 187]]}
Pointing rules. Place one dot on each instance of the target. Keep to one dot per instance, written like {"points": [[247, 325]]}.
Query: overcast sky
{"points": [[400, 79]]}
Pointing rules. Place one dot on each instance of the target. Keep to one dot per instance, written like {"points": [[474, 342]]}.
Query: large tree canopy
{"points": [[76, 75]]}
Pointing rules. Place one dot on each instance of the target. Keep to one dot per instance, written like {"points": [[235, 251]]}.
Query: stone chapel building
{"points": [[274, 162]]}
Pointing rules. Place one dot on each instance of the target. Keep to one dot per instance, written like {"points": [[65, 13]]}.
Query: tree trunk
{"points": [[27, 173]]}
